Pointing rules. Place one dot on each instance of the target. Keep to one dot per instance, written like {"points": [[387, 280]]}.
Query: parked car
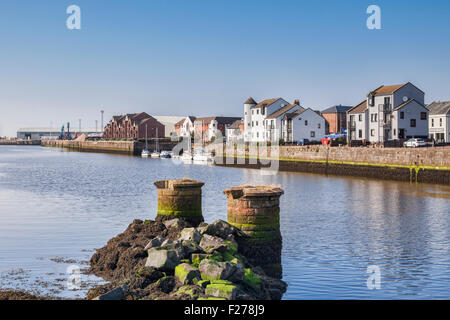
{"points": [[303, 142], [414, 143]]}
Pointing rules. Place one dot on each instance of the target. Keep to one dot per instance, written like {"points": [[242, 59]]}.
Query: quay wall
{"points": [[124, 147], [20, 142], [425, 165]]}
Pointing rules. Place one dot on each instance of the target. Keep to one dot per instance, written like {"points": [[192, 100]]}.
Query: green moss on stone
{"points": [[226, 291], [252, 280]]}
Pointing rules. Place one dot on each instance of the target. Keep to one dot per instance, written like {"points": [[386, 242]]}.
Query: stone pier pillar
{"points": [[180, 199], [256, 211]]}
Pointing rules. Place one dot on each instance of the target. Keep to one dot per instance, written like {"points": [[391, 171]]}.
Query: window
{"points": [[313, 134], [306, 122], [318, 126], [371, 100], [395, 132], [256, 123], [263, 110], [372, 132], [413, 123], [257, 111], [440, 122], [257, 134], [360, 117], [252, 124], [373, 117], [402, 115], [360, 133], [423, 116], [432, 122]]}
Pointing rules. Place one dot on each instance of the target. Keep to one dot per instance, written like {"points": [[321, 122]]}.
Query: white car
{"points": [[414, 143]]}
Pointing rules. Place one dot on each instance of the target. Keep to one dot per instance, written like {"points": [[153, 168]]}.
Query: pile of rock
{"points": [[179, 260]]}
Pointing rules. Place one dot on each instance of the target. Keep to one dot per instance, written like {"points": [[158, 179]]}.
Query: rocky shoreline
{"points": [[176, 260]]}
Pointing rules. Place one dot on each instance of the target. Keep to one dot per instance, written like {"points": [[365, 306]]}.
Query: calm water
{"points": [[57, 206]]}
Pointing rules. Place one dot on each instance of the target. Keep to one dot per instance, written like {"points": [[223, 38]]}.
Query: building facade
{"points": [[133, 126], [303, 124], [358, 122], [336, 119], [393, 112], [185, 127], [262, 121], [439, 121], [235, 132], [208, 128]]}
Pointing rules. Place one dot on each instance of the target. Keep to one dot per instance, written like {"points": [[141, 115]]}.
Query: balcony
{"points": [[385, 108]]}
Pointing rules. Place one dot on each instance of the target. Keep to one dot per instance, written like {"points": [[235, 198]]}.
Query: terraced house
{"points": [[263, 120], [439, 122], [133, 126], [392, 112]]}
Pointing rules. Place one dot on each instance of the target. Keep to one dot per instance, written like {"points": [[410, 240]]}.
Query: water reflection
{"points": [[55, 203]]}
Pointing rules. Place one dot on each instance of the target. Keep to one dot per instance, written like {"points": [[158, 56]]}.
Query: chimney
{"points": [[297, 102]]}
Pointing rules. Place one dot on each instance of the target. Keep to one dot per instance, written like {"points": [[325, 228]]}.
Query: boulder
{"points": [[196, 258], [163, 259], [166, 284], [218, 290], [190, 247], [174, 223], [115, 294], [222, 229], [189, 291], [215, 270], [190, 234], [211, 243], [187, 274], [155, 242]]}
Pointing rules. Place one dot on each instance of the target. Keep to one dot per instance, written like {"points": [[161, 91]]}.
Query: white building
{"points": [[262, 121], [235, 132], [391, 113], [303, 124], [185, 127], [439, 121], [358, 122]]}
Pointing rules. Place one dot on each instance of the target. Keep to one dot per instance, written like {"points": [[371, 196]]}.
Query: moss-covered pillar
{"points": [[256, 211], [180, 199]]}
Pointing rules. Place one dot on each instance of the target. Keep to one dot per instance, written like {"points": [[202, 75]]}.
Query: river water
{"points": [[57, 206]]}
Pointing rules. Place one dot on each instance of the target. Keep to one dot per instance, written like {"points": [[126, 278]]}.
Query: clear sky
{"points": [[206, 57]]}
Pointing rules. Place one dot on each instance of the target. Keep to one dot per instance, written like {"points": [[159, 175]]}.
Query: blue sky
{"points": [[198, 57]]}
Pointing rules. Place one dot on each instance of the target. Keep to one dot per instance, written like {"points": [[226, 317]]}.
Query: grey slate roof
{"points": [[439, 107], [337, 109]]}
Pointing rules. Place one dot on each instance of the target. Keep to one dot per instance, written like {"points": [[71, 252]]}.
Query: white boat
{"points": [[145, 153], [165, 155], [155, 154], [186, 156], [203, 156]]}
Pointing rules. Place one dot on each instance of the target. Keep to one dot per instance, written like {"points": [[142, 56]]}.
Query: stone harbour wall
{"points": [[125, 147], [424, 165]]}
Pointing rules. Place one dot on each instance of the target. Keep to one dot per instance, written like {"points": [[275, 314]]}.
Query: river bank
{"points": [[421, 165]]}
